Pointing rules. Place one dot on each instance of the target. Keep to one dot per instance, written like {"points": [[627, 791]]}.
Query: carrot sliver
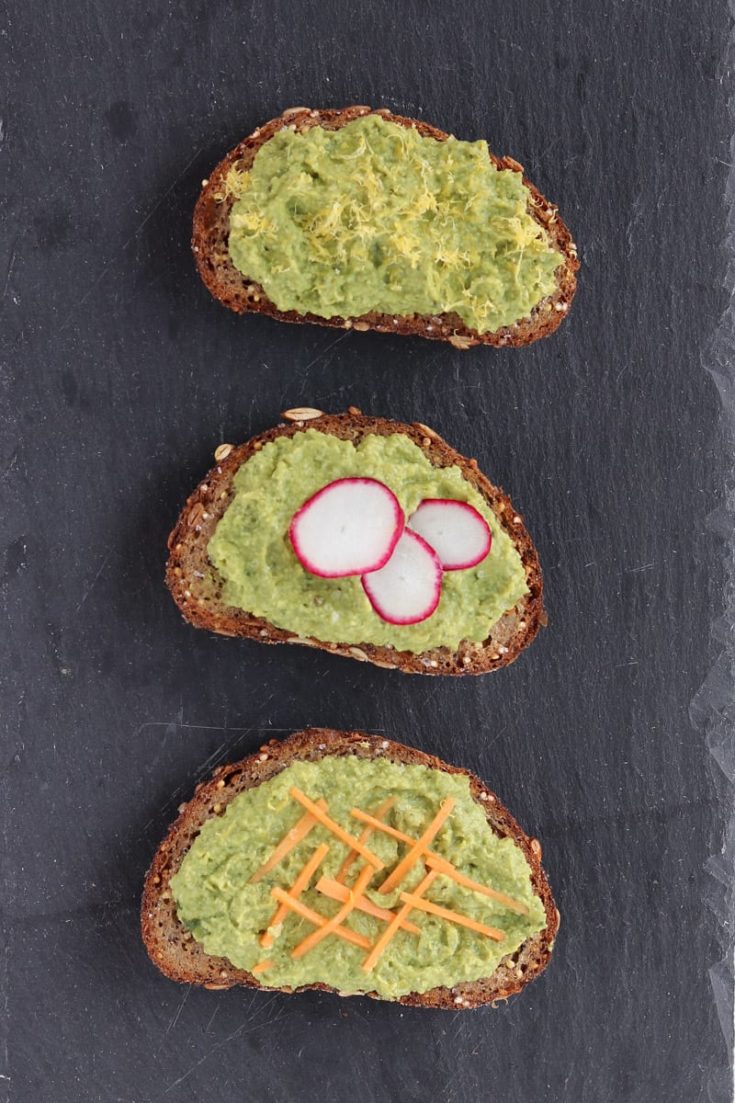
{"points": [[342, 835], [378, 825], [453, 917], [435, 861], [292, 838], [266, 939], [291, 903], [337, 891], [261, 967], [446, 868], [393, 926], [419, 847], [363, 838], [336, 921]]}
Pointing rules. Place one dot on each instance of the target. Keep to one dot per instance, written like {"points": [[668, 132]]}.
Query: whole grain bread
{"points": [[181, 958], [211, 235], [196, 587]]}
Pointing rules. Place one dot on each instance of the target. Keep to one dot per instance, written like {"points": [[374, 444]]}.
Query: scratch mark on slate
{"points": [[324, 351], [175, 1019], [8, 274], [93, 583], [251, 1026], [206, 1057], [10, 464]]}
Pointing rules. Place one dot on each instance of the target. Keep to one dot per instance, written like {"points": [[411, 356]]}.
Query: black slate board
{"points": [[120, 376]]}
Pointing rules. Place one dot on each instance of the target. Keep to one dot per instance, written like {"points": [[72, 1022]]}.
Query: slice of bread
{"points": [[189, 573], [177, 954], [212, 226]]}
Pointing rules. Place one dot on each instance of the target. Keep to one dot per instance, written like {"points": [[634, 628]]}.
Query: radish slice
{"points": [[459, 535], [407, 589], [348, 527]]}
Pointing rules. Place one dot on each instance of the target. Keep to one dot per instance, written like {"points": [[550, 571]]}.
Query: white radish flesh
{"points": [[407, 589], [459, 535], [347, 528]]}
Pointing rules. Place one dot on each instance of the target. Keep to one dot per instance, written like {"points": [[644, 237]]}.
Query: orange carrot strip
{"points": [[378, 825], [435, 861], [419, 847], [318, 920], [329, 927], [337, 891], [291, 839], [453, 917], [266, 939], [340, 832], [393, 926], [261, 967], [364, 836]]}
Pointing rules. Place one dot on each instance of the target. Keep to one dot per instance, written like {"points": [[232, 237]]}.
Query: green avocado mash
{"points": [[226, 914], [373, 217], [252, 552]]}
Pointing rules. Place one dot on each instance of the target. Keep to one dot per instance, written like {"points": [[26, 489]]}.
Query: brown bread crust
{"points": [[211, 234], [196, 586], [177, 954]]}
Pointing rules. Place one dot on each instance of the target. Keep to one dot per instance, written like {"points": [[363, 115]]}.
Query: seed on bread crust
{"points": [[302, 413], [461, 342]]}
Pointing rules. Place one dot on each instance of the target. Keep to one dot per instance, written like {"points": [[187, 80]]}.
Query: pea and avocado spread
{"points": [[224, 888], [373, 217], [251, 551]]}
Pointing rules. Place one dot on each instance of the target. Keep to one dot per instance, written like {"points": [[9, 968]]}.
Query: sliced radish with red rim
{"points": [[349, 527], [459, 535], [407, 589]]}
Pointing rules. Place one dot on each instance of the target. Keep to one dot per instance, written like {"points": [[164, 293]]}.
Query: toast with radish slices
{"points": [[180, 955], [355, 527]]}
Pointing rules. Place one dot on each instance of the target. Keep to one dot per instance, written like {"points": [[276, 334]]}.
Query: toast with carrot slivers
{"points": [[362, 219], [346, 862]]}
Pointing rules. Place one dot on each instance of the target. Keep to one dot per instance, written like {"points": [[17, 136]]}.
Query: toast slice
{"points": [[197, 589], [181, 958], [237, 292]]}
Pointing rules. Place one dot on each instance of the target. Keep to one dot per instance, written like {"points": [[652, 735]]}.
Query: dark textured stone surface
{"points": [[120, 376]]}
